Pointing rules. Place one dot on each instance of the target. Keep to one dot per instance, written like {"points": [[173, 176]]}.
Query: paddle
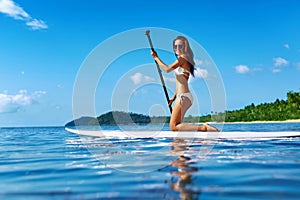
{"points": [[159, 71]]}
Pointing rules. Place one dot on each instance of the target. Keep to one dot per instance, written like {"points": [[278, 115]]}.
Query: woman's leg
{"points": [[179, 110], [177, 117]]}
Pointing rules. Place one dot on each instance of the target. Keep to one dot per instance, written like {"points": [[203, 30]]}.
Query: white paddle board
{"points": [[182, 134]]}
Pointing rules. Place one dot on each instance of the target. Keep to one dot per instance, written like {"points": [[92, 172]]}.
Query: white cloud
{"points": [[36, 24], [276, 70], [201, 73], [13, 10], [139, 78], [198, 62], [278, 62], [60, 86], [242, 69], [38, 94], [287, 46], [10, 8], [13, 103]]}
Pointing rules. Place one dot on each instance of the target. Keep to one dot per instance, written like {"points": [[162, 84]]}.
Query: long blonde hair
{"points": [[188, 51]]}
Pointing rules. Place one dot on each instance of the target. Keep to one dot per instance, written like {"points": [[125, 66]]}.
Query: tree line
{"points": [[278, 110]]}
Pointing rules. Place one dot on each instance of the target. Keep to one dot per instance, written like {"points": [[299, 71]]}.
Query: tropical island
{"points": [[279, 110], [111, 118]]}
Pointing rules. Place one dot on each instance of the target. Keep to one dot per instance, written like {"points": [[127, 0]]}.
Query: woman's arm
{"points": [[165, 67]]}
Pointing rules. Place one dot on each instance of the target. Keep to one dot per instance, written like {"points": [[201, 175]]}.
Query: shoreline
{"points": [[259, 122]]}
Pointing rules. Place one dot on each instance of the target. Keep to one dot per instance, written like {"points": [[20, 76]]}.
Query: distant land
{"points": [[111, 118], [279, 110]]}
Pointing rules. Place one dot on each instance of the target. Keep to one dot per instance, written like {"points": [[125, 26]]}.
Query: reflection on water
{"points": [[149, 155], [182, 177], [152, 155]]}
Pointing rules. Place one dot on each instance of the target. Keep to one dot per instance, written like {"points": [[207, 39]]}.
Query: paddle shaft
{"points": [[159, 71]]}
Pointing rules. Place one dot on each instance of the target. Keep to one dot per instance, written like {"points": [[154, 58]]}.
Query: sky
{"points": [[45, 46]]}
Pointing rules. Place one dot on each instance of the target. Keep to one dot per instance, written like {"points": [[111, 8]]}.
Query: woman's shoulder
{"points": [[183, 58]]}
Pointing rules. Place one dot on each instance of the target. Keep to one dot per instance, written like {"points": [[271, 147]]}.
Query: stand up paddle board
{"points": [[184, 134]]}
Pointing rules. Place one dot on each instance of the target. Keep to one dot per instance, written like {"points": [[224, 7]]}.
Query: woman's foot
{"points": [[210, 128]]}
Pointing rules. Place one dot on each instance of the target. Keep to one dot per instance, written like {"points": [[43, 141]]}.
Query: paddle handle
{"points": [[159, 71]]}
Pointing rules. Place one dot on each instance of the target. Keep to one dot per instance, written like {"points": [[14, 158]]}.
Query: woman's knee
{"points": [[173, 127]]}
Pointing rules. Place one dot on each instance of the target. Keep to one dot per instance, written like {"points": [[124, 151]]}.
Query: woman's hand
{"points": [[154, 54], [171, 101]]}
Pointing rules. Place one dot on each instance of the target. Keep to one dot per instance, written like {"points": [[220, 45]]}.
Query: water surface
{"points": [[50, 163]]}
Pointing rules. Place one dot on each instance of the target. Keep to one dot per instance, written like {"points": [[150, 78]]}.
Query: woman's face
{"points": [[178, 47]]}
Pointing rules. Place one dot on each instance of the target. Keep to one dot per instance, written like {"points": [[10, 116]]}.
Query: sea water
{"points": [[50, 163]]}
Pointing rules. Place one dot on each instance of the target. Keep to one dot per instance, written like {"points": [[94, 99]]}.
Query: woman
{"points": [[183, 68]]}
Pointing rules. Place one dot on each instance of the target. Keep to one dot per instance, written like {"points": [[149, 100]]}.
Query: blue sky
{"points": [[255, 45]]}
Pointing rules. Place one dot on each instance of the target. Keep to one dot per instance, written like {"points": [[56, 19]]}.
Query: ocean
{"points": [[50, 163]]}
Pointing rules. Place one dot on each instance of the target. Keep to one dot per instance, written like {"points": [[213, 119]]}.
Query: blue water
{"points": [[50, 163]]}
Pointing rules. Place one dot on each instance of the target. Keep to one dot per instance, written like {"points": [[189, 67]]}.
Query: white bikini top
{"points": [[181, 71]]}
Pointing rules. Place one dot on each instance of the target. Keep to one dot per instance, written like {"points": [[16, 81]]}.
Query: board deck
{"points": [[189, 134]]}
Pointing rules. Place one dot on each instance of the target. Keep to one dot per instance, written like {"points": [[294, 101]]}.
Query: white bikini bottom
{"points": [[188, 95]]}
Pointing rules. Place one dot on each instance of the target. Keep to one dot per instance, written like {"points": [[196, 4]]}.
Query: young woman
{"points": [[183, 68]]}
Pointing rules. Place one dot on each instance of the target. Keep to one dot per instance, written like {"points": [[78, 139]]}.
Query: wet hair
{"points": [[188, 52]]}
